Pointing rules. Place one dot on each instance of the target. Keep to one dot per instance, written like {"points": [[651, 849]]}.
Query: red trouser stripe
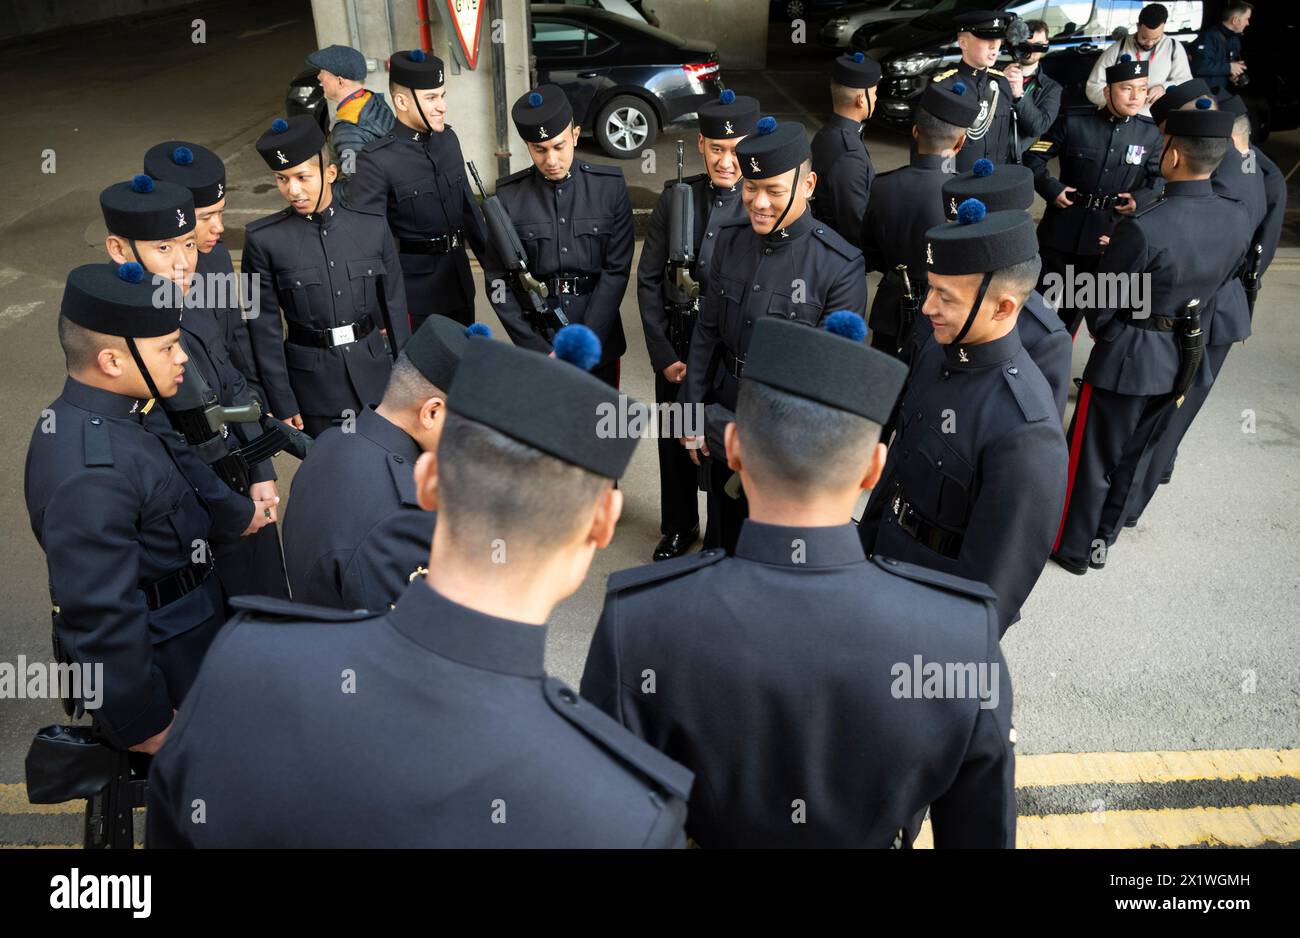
{"points": [[1076, 444]]}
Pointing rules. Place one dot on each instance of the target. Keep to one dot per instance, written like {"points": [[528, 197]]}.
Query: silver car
{"points": [[875, 15]]}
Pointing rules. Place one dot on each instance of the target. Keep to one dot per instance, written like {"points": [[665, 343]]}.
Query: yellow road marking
{"points": [[1164, 827], [1081, 768], [13, 800]]}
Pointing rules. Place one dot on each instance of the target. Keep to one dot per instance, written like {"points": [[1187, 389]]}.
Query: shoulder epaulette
{"points": [[1034, 406], [663, 570], [601, 169], [931, 577], [640, 755], [833, 239], [514, 177], [267, 220], [269, 607], [998, 72], [96, 442], [378, 143], [948, 73]]}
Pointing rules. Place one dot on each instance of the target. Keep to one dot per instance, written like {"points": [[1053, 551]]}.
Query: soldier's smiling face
{"points": [[765, 199], [174, 258], [1127, 97], [433, 102], [720, 160], [554, 157]]}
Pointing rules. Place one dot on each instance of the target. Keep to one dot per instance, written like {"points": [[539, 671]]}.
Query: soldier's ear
{"points": [[875, 467], [699, 142], [110, 362], [577, 130], [731, 442], [961, 142], [430, 411], [426, 481], [116, 249], [609, 508], [809, 183]]}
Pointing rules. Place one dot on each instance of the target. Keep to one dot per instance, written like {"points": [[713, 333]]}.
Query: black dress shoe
{"points": [[674, 545], [1131, 523], [1095, 564], [1076, 567]]}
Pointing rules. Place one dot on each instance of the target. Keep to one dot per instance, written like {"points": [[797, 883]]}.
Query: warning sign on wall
{"points": [[464, 20]]}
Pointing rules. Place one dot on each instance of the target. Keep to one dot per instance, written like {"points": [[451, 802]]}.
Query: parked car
{"points": [[876, 16], [625, 80], [305, 96], [1078, 31], [632, 9]]}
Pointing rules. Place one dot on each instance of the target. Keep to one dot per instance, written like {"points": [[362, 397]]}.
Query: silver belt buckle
{"points": [[454, 239], [342, 335]]}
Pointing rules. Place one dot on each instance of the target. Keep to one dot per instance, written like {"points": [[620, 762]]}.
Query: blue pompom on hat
{"points": [[846, 323], [971, 212], [577, 345], [983, 167], [479, 329], [141, 183]]}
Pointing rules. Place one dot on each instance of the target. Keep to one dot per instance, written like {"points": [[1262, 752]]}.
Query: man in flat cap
{"points": [[353, 480], [839, 155], [360, 115], [980, 34], [779, 261], [670, 307], [905, 206], [1147, 354], [1008, 188], [1249, 176], [1110, 159], [414, 175], [436, 725], [574, 221], [976, 473], [334, 273], [822, 629], [124, 509], [137, 211], [1165, 55]]}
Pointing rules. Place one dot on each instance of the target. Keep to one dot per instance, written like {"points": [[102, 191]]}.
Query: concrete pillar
{"points": [[739, 27], [379, 27]]}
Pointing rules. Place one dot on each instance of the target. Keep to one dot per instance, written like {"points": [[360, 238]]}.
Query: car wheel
{"points": [[626, 126], [794, 9]]}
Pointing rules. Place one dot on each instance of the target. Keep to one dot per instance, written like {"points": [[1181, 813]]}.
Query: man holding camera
{"points": [[1218, 50], [1036, 98], [1165, 57]]}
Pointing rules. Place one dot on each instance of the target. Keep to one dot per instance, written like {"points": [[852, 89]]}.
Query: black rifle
{"points": [[684, 304], [531, 292], [1250, 276], [203, 421], [65, 763], [1191, 350], [907, 309]]}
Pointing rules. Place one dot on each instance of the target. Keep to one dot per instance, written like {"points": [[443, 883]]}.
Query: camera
{"points": [[1242, 80], [1016, 44]]}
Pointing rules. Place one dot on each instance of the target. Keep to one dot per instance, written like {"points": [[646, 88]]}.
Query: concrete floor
{"points": [[1188, 639]]}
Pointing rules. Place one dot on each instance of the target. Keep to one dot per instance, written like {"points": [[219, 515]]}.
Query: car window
{"points": [[598, 43], [1062, 17], [554, 39]]}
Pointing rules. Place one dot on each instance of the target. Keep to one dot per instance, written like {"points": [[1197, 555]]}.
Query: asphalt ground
{"points": [[1157, 701]]}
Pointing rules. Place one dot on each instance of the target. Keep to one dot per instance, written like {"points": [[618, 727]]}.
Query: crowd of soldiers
{"points": [[777, 687]]}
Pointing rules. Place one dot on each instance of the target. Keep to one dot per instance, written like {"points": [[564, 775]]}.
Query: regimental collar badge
{"points": [[962, 356], [784, 233]]}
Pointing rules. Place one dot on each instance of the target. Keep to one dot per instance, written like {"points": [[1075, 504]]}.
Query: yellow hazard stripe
{"points": [[1081, 768], [13, 800]]}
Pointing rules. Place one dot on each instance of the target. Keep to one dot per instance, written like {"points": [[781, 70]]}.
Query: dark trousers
{"points": [[314, 424], [726, 514], [1164, 449], [1055, 263], [430, 289], [678, 505], [608, 372], [1108, 435], [252, 566]]}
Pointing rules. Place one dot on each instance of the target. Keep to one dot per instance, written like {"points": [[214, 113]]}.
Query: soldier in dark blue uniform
{"points": [[124, 510], [669, 313], [335, 274], [356, 476], [800, 661], [778, 262], [1250, 177], [1129, 386], [979, 36], [905, 206], [415, 175], [976, 474], [574, 220], [435, 725], [839, 155], [1110, 166], [133, 213], [1005, 189], [204, 174]]}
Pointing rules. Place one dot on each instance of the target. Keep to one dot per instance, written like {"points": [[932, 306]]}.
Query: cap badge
{"points": [[962, 356], [753, 165], [221, 189], [929, 253], [440, 76], [952, 206], [180, 219], [1137, 68], [541, 132], [727, 128], [279, 155]]}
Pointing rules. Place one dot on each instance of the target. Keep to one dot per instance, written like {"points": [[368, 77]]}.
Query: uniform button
{"points": [[568, 696], [709, 235], [559, 191], [767, 250], [398, 459], [595, 228], [564, 250], [297, 283], [946, 372], [369, 272], [820, 230], [938, 464], [757, 287], [1013, 370], [331, 263], [96, 421], [338, 292], [415, 192], [792, 315], [561, 219], [324, 234]]}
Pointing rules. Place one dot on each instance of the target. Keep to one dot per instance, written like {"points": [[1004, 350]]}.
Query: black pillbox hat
{"points": [[825, 367], [1176, 96], [728, 117], [190, 165], [986, 24], [775, 149], [856, 71], [1126, 69], [542, 113], [1200, 122], [435, 349], [117, 301], [290, 142], [957, 105], [144, 210], [543, 402], [979, 243], [415, 69], [1004, 188]]}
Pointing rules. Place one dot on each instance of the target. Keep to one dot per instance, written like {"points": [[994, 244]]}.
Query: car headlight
{"points": [[838, 22], [305, 92], [912, 64]]}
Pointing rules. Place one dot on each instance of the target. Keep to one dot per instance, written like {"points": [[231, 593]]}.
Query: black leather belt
{"points": [[175, 585], [443, 244], [921, 530], [734, 364], [572, 284], [331, 338], [1154, 323], [1093, 200]]}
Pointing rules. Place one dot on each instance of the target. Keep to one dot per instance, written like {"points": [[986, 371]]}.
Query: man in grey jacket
{"points": [[360, 115]]}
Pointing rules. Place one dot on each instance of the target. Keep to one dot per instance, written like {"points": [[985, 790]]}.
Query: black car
{"points": [[1078, 31], [815, 10], [625, 80]]}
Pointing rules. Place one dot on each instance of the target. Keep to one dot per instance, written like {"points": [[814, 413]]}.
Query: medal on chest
{"points": [[1133, 155]]}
